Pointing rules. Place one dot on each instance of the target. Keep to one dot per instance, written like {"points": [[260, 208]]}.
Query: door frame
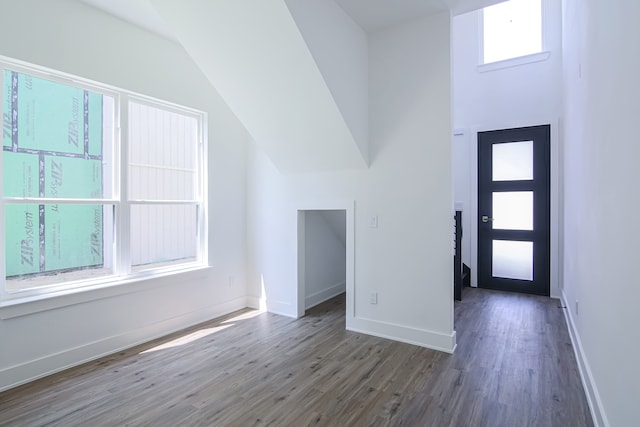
{"points": [[348, 207], [538, 187], [555, 206]]}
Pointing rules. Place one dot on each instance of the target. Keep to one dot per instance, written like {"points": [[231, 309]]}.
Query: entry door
{"points": [[513, 209]]}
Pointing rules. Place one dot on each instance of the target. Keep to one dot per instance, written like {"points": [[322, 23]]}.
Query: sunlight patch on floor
{"points": [[186, 339], [244, 316]]}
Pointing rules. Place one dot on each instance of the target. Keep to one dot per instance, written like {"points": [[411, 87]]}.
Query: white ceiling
{"points": [[371, 15], [137, 12]]}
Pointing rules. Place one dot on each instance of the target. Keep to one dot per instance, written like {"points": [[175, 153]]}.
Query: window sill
{"points": [[22, 306], [514, 62]]}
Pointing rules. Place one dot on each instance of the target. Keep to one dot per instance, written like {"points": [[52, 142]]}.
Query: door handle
{"points": [[485, 218]]}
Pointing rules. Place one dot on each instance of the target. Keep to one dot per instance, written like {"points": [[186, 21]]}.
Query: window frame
{"points": [[122, 273], [516, 60], [200, 190]]}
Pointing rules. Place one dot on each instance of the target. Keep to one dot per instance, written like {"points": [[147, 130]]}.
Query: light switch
{"points": [[373, 221]]}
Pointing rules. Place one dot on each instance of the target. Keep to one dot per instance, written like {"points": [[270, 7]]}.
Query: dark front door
{"points": [[513, 209]]}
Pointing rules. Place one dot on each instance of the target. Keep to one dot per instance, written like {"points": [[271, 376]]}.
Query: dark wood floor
{"points": [[514, 366]]}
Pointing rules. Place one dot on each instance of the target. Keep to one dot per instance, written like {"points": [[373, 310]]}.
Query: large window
{"points": [[98, 184], [512, 29]]}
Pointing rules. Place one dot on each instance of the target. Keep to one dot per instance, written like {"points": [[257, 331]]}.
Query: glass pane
{"points": [[512, 259], [513, 161], [57, 139], [163, 235], [162, 154], [513, 210], [511, 29], [52, 244]]}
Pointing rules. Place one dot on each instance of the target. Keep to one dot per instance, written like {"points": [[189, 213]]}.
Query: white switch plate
{"points": [[373, 221], [373, 298]]}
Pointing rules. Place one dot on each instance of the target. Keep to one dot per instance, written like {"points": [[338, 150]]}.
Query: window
{"points": [[164, 186], [86, 203], [511, 29]]}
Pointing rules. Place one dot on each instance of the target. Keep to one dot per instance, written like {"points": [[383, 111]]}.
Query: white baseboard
{"points": [[281, 307], [253, 302], [588, 383], [324, 295], [409, 335], [23, 373]]}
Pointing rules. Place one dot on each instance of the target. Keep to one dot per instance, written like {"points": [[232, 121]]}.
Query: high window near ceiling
{"points": [[511, 29], [99, 185]]}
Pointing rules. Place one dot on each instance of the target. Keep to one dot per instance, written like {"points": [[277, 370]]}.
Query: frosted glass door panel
{"points": [[513, 161], [512, 259], [513, 210]]}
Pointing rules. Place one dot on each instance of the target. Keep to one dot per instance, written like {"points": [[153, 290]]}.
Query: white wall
{"points": [[341, 56], [325, 255], [601, 203], [256, 57], [67, 35], [408, 259], [463, 6], [509, 97]]}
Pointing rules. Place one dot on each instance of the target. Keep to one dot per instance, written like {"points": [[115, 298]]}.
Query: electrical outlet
{"points": [[373, 298]]}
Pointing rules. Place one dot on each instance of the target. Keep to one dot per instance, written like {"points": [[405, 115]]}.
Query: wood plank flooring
{"points": [[514, 366]]}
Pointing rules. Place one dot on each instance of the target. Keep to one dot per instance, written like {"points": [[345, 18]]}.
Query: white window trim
{"points": [[514, 62], [96, 290], [543, 55], [14, 304]]}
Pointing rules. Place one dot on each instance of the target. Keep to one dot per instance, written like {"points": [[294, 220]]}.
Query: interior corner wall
{"points": [[601, 152], [341, 57], [72, 37], [407, 259], [257, 58], [514, 96]]}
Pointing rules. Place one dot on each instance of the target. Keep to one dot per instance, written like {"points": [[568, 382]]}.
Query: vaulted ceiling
{"points": [[371, 15], [294, 72]]}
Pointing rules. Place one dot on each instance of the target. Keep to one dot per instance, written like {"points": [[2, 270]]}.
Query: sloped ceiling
{"points": [[137, 12], [272, 65], [255, 56], [371, 15], [374, 15]]}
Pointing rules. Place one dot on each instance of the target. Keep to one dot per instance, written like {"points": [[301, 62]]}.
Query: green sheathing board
{"points": [[52, 147], [22, 239], [73, 236], [95, 124], [21, 175], [6, 109], [50, 116], [68, 177]]}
